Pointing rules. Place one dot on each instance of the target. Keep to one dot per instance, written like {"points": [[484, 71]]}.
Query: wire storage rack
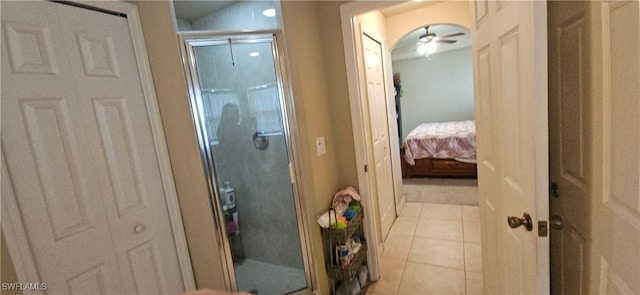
{"points": [[346, 269]]}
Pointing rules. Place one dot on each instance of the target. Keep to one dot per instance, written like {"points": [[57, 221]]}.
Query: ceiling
{"points": [[406, 7], [406, 46], [194, 9]]}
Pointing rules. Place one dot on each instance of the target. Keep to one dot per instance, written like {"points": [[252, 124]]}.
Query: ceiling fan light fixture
{"points": [[422, 48], [431, 47], [427, 48]]}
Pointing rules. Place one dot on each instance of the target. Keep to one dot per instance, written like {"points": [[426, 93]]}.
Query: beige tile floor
{"points": [[432, 249]]}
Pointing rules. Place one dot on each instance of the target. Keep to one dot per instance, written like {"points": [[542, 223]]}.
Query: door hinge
{"points": [[366, 168], [543, 230]]}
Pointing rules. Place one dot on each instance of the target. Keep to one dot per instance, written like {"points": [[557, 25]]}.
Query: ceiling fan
{"points": [[429, 37], [427, 43]]}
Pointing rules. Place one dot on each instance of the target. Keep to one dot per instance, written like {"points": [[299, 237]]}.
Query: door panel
{"points": [[594, 137], [616, 199], [54, 148], [570, 142], [120, 136], [509, 48], [57, 192], [80, 155], [487, 112], [376, 97]]}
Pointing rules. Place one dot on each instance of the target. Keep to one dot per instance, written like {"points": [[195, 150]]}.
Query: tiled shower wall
{"points": [[260, 178]]}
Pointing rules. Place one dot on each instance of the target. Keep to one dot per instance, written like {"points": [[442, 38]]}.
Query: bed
{"points": [[444, 149]]}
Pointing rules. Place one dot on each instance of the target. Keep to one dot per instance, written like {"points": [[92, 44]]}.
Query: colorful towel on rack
{"points": [[342, 199]]}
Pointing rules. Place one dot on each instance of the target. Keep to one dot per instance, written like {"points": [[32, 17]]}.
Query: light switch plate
{"points": [[320, 146]]}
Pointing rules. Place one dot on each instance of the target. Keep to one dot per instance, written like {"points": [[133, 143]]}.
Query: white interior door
{"points": [[595, 161], [80, 159], [376, 98], [510, 70], [570, 144], [615, 204]]}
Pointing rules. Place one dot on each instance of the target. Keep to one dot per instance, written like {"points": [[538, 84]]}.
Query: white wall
{"points": [[436, 89], [445, 12]]}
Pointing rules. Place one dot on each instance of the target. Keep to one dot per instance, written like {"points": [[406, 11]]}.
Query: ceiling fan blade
{"points": [[446, 41], [452, 35]]}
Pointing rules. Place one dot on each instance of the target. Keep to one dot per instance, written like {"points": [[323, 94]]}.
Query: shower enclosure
{"points": [[240, 111]]}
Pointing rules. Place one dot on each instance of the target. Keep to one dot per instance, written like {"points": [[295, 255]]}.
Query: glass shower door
{"points": [[238, 107]]}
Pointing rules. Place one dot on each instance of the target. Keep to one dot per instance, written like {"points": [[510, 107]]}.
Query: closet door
{"points": [[78, 153], [379, 123]]}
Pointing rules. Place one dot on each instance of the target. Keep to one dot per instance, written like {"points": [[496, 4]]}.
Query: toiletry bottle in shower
{"points": [[223, 197], [229, 196]]}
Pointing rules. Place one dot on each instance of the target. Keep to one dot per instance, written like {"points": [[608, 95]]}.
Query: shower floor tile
{"points": [[268, 279]]}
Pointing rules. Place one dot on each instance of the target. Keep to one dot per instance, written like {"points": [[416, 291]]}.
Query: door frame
{"points": [[188, 40], [13, 228], [350, 33]]}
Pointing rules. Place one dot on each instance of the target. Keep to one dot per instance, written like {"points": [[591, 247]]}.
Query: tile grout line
{"points": [[406, 261], [463, 242], [435, 265], [464, 252]]}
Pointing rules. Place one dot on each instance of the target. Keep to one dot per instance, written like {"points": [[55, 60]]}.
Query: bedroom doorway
{"points": [[412, 240], [353, 16], [433, 83]]}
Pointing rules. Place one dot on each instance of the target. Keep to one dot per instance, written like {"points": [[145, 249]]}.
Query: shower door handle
{"points": [[292, 173], [260, 140]]}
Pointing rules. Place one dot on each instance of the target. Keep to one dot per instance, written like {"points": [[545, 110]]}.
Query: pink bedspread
{"points": [[448, 140]]}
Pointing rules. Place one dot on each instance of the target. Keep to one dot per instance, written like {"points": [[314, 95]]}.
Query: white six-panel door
{"points": [[570, 143], [615, 204], [376, 93], [79, 155], [594, 138], [510, 74]]}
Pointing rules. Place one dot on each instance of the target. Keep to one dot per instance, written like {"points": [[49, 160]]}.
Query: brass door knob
{"points": [[515, 222]]}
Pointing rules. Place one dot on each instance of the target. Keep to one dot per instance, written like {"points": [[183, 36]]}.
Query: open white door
{"points": [[510, 70], [595, 161], [570, 143], [615, 203], [375, 97]]}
